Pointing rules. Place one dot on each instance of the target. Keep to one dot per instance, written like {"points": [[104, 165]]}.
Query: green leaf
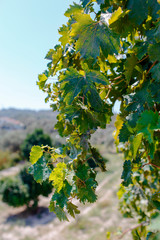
{"points": [[156, 159], [115, 16], [98, 159], [35, 154], [139, 99], [93, 36], [156, 72], [64, 31], [100, 1], [58, 176], [72, 209], [138, 11], [156, 204], [60, 198], [154, 51], [124, 133], [86, 192], [73, 83], [74, 152], [73, 9], [154, 7], [40, 170], [58, 211], [147, 123], [157, 33], [136, 144], [85, 2], [127, 173], [136, 235], [129, 67], [42, 80]]}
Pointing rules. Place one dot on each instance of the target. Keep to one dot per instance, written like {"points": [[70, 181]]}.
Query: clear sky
{"points": [[28, 29]]}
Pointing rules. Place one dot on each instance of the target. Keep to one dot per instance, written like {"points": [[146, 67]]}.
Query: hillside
{"points": [[29, 120], [13, 134]]}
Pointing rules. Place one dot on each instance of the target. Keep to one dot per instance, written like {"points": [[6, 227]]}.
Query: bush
{"points": [[23, 190], [15, 193], [36, 138], [5, 160], [8, 159]]}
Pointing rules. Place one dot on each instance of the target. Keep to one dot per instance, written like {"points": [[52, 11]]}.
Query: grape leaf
{"points": [[147, 123], [40, 170], [156, 72], [155, 91], [127, 173], [154, 7], [93, 36], [72, 209], [85, 2], [97, 158], [86, 192], [116, 15], [138, 10], [137, 101], [60, 198], [124, 133], [154, 51], [35, 154], [73, 82], [129, 67], [42, 80], [73, 9], [100, 1], [136, 143], [58, 176], [58, 211], [64, 31], [157, 33]]}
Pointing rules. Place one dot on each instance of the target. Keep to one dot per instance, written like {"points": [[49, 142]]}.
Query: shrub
{"points": [[8, 159], [23, 190], [15, 193], [5, 160]]}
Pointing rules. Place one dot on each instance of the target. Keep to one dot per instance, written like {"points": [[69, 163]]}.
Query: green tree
{"points": [[109, 51], [38, 137], [23, 190]]}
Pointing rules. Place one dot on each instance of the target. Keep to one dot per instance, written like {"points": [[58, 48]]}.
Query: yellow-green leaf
{"points": [[136, 144], [115, 15], [58, 176], [35, 154]]}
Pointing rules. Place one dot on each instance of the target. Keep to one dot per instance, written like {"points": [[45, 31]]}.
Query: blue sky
{"points": [[28, 29]]}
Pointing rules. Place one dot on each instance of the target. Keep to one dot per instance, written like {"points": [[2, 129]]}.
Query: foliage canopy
{"points": [[108, 51]]}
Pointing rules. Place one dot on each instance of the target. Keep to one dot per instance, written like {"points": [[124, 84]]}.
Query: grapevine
{"points": [[109, 51]]}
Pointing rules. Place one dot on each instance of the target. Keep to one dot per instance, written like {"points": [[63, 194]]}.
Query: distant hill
{"points": [[10, 124], [15, 124]]}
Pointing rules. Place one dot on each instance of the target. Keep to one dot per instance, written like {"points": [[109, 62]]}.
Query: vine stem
{"points": [[130, 229], [150, 163], [143, 59], [108, 93], [151, 67]]}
